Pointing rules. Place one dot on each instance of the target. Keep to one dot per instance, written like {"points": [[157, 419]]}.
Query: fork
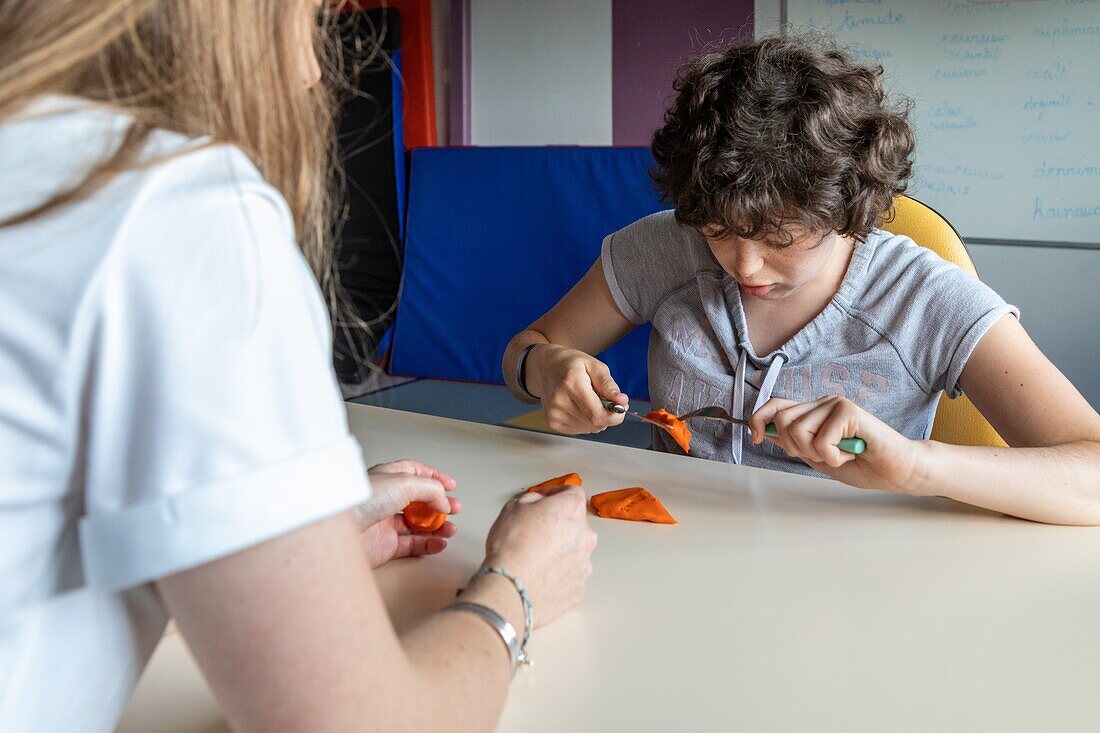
{"points": [[855, 446]]}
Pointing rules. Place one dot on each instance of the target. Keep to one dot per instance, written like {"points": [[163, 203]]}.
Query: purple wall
{"points": [[650, 39]]}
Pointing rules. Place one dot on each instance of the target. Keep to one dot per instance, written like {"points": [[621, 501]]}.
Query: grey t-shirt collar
{"points": [[802, 342], [795, 348]]}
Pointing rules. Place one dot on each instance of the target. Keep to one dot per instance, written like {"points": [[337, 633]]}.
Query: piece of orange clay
{"points": [[569, 479], [635, 504], [676, 427], [421, 517]]}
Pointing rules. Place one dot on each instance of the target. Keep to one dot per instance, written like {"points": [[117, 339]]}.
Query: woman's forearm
{"points": [[460, 663], [1055, 484]]}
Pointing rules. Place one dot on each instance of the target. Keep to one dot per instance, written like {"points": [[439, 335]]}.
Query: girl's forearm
{"points": [[512, 353], [1054, 484]]}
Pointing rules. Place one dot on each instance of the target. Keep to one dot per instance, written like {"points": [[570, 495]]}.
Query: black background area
{"points": [[368, 248]]}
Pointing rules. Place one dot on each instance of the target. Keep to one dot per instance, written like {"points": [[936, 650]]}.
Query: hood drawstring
{"points": [[766, 387]]}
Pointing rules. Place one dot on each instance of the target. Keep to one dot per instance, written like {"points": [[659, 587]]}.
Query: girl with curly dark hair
{"points": [[774, 293]]}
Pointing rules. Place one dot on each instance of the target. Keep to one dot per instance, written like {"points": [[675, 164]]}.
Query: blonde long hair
{"points": [[227, 69]]}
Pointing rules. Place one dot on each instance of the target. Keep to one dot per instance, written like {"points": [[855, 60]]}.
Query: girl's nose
{"points": [[748, 261]]}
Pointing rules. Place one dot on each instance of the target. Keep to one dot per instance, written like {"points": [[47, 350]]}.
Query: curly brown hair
{"points": [[780, 133]]}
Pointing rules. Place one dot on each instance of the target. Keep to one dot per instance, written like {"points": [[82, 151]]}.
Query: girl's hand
{"points": [[571, 384], [811, 430], [383, 530]]}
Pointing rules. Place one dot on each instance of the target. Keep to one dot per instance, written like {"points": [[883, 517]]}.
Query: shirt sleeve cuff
{"points": [[969, 343], [617, 293], [152, 539]]}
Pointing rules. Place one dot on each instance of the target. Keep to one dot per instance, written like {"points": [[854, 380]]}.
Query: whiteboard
{"points": [[1007, 106]]}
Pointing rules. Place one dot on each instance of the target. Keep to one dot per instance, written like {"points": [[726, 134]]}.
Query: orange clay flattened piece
{"points": [[421, 517], [569, 479], [676, 427], [634, 504]]}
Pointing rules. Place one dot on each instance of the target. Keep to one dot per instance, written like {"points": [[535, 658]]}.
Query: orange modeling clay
{"points": [[676, 427], [421, 517], [635, 504], [569, 479]]}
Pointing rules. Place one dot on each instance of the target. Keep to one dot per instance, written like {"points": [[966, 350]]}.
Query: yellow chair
{"points": [[957, 421]]}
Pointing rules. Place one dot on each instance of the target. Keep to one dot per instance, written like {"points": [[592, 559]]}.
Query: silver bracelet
{"points": [[499, 623], [528, 609]]}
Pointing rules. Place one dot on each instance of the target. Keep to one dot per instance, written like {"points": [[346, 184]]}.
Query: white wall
{"points": [[540, 72], [1057, 290], [1058, 293], [767, 17]]}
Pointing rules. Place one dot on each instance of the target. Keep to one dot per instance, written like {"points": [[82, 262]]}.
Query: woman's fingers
{"points": [[573, 498], [392, 492], [426, 490], [401, 529], [416, 468], [550, 491], [418, 545], [446, 531]]}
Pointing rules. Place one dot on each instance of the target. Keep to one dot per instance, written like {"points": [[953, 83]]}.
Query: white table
{"points": [[778, 603]]}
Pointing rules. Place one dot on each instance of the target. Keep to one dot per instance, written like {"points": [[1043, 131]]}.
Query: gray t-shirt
{"points": [[897, 334]]}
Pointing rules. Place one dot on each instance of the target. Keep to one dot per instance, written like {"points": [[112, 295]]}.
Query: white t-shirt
{"points": [[166, 398]]}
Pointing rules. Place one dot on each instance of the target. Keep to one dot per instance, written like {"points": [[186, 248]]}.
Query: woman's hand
{"points": [[383, 531], [571, 384], [811, 430], [546, 542]]}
